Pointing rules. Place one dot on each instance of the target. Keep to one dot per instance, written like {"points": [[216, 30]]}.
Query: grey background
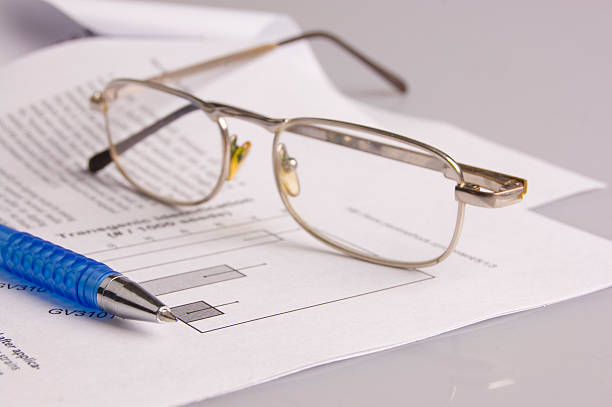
{"points": [[534, 76]]}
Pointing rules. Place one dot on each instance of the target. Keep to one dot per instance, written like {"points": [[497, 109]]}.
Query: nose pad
{"points": [[237, 155], [289, 180]]}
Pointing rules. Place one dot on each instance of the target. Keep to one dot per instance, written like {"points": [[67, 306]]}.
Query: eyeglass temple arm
{"points": [[103, 158], [502, 189], [384, 73], [100, 160], [253, 52]]}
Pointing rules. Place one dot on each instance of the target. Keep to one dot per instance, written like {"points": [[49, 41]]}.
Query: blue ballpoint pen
{"points": [[78, 278]]}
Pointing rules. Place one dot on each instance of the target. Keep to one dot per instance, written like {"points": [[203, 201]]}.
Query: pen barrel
{"points": [[61, 271]]}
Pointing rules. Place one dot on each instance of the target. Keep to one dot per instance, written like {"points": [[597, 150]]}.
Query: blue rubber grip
{"points": [[61, 271]]}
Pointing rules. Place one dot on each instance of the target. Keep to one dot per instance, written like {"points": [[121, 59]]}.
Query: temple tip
{"points": [[99, 161]]}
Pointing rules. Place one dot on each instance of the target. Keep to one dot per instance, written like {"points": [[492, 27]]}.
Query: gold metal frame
{"points": [[474, 186]]}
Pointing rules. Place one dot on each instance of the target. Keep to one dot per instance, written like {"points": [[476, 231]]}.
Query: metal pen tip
{"points": [[164, 314]]}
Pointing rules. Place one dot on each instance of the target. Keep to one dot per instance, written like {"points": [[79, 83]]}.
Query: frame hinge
{"points": [[473, 194]]}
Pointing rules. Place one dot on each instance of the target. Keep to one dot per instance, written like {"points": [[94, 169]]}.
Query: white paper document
{"points": [[257, 296], [165, 19], [28, 25]]}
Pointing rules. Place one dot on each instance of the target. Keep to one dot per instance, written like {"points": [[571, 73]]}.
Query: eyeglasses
{"points": [[369, 193]]}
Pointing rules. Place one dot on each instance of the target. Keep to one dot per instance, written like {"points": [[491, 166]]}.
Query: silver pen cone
{"points": [[121, 296]]}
